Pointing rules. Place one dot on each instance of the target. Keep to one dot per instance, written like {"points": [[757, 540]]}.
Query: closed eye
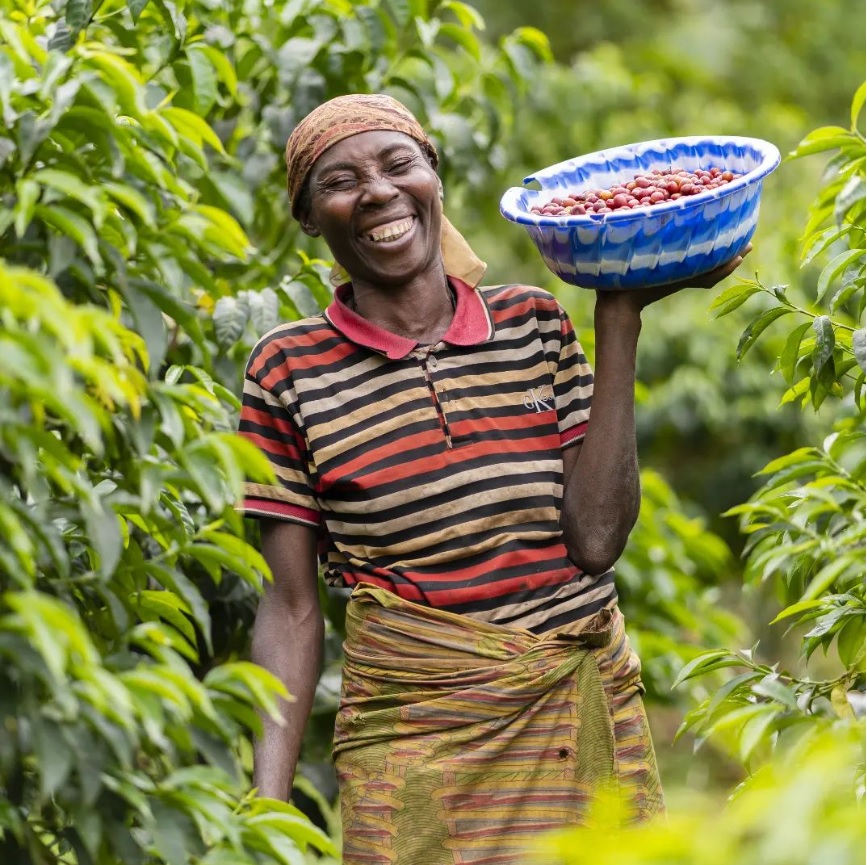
{"points": [[338, 183], [400, 165]]}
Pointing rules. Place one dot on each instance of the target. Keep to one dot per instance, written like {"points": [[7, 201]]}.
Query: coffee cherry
{"points": [[647, 189]]}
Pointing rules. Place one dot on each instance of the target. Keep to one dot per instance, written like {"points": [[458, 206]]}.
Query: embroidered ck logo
{"points": [[539, 398]]}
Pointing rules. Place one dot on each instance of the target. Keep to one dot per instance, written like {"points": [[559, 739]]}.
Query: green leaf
{"points": [[835, 267], [28, 194], [171, 609], [78, 13], [465, 38], [173, 834], [850, 644], [61, 39], [151, 325], [53, 753], [252, 682], [857, 105], [206, 477], [791, 351], [795, 609], [400, 10], [820, 241], [136, 7], [537, 41], [174, 19], [204, 78], [298, 827], [824, 349], [821, 139], [707, 662], [74, 187], [133, 200], [178, 582], [755, 329], [124, 80], [230, 319], [466, 14], [72, 225], [103, 533], [848, 197], [301, 296], [193, 127], [826, 578], [774, 689], [732, 685], [265, 312], [754, 731], [733, 297], [858, 348]]}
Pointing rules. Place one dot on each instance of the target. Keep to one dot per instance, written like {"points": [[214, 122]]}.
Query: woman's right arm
{"points": [[287, 641]]}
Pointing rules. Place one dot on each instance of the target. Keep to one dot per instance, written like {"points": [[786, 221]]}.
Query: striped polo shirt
{"points": [[433, 471]]}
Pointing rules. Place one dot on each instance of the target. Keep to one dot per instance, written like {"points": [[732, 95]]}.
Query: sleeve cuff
{"points": [[253, 507], [573, 435]]}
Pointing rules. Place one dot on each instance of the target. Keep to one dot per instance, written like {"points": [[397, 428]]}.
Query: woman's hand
{"points": [[642, 297]]}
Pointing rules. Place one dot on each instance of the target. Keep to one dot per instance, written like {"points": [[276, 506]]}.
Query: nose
{"points": [[378, 190]]}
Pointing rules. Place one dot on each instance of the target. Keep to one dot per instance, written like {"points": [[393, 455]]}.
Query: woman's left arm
{"points": [[602, 493]]}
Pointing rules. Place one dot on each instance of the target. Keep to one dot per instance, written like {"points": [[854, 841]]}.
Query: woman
{"points": [[433, 440]]}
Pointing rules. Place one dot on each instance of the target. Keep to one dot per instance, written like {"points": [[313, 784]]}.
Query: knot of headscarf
{"points": [[355, 113], [341, 118]]}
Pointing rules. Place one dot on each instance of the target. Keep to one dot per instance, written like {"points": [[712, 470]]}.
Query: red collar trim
{"points": [[472, 323]]}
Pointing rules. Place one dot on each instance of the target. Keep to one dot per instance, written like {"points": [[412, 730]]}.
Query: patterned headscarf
{"points": [[344, 116], [341, 118]]}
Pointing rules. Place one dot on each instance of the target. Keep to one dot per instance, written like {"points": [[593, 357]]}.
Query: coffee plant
{"points": [[145, 244], [805, 526], [801, 736]]}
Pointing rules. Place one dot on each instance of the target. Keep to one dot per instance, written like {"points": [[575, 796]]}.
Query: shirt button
{"points": [[432, 361], [564, 753]]}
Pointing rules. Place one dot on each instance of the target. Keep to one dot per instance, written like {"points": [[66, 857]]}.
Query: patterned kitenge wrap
{"points": [[458, 741]]}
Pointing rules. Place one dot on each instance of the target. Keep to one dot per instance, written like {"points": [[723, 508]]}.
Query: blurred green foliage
{"points": [[800, 811], [800, 735], [145, 245]]}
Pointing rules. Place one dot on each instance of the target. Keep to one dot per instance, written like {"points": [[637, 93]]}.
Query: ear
{"points": [[308, 226], [440, 185]]}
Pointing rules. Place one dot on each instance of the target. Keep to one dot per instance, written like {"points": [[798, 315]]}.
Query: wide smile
{"points": [[390, 233]]}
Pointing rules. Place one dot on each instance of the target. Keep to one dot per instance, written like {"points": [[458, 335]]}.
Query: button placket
{"points": [[429, 365]]}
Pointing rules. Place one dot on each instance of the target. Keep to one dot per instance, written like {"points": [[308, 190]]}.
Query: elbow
{"points": [[596, 556]]}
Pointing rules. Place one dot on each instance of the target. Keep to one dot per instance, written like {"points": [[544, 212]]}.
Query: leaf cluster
{"points": [[805, 527], [145, 244]]}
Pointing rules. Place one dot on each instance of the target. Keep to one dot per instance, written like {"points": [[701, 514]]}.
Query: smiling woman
{"points": [[375, 198], [432, 440]]}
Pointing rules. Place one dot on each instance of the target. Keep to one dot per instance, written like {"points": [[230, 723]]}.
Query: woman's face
{"points": [[375, 199]]}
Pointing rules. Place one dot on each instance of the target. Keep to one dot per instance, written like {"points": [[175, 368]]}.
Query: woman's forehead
{"points": [[359, 149]]}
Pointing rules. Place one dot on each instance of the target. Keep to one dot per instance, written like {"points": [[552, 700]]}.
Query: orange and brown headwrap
{"points": [[341, 118], [345, 116]]}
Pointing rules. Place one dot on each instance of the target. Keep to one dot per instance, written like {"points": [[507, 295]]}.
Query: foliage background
{"points": [[145, 244]]}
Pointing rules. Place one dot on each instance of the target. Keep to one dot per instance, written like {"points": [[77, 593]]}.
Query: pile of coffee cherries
{"points": [[644, 190]]}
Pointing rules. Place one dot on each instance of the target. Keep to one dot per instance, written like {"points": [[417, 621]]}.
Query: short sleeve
{"points": [[573, 386], [270, 425]]}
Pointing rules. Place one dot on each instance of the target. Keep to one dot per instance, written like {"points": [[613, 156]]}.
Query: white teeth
{"points": [[392, 231]]}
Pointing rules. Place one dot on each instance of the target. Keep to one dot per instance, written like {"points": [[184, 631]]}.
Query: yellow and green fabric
{"points": [[459, 741]]}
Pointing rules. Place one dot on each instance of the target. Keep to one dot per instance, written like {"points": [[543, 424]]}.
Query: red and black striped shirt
{"points": [[433, 471]]}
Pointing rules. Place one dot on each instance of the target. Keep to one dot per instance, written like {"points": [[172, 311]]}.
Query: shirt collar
{"points": [[471, 325]]}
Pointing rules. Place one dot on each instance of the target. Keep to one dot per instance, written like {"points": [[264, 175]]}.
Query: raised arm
{"points": [[602, 493], [287, 641]]}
